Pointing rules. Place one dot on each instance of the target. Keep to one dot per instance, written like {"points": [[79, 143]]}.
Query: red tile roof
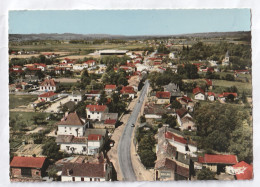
{"points": [[243, 171], [110, 86], [211, 94], [209, 82], [110, 121], [163, 95], [198, 90], [27, 162], [47, 94], [225, 94], [84, 170], [179, 139], [98, 108], [94, 137], [186, 99], [181, 112], [127, 89], [219, 159]]}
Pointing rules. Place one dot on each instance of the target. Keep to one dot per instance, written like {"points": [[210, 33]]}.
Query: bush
{"points": [[206, 174]]}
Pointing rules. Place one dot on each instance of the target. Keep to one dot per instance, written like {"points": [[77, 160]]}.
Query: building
{"points": [[199, 94], [128, 90], [185, 120], [173, 89], [211, 96], [48, 96], [225, 61], [109, 88], [243, 171], [96, 112], [31, 168], [112, 52], [217, 163], [86, 172], [163, 97], [77, 96], [48, 85], [71, 124]]}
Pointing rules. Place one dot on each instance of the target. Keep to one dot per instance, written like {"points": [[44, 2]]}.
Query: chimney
{"points": [[66, 114]]}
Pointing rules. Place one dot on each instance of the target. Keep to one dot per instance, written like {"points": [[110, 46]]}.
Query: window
{"points": [[97, 112], [88, 116], [90, 179], [82, 178], [37, 172], [92, 112], [26, 172], [95, 179], [98, 179], [84, 148], [73, 178]]}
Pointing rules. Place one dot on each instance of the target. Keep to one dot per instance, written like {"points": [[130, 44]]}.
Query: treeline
{"points": [[240, 55], [217, 131]]}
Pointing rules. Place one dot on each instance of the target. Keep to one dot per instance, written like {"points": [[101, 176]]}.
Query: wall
{"points": [[70, 130], [94, 115], [78, 148], [200, 96]]}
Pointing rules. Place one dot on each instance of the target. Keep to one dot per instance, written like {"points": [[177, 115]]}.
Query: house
{"points": [[71, 124], [96, 112], [243, 171], [128, 90], [185, 120], [225, 95], [167, 170], [77, 96], [209, 83], [86, 172], [182, 144], [154, 111], [109, 88], [186, 103], [30, 168], [199, 94], [217, 163], [163, 97], [49, 85], [48, 96], [173, 89], [211, 96], [42, 67]]}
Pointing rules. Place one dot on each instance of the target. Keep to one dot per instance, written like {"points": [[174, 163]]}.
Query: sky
{"points": [[129, 22]]}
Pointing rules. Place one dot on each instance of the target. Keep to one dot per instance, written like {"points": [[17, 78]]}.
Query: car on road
{"points": [[132, 125]]}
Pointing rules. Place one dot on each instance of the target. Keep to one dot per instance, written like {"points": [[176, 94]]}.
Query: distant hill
{"points": [[71, 36]]}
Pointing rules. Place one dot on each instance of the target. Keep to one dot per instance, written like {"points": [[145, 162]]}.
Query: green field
{"points": [[75, 47], [241, 86], [19, 100]]}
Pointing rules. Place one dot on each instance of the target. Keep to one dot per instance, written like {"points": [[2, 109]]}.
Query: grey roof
{"points": [[110, 116], [173, 88], [102, 132]]}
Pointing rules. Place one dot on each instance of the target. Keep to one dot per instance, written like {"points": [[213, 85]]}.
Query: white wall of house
{"points": [[152, 116], [75, 148], [49, 98], [94, 145], [182, 148], [69, 178], [71, 130], [189, 125], [211, 98], [163, 101], [95, 115], [75, 98], [200, 96], [47, 88]]}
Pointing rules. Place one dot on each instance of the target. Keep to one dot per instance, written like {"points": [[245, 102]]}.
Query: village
{"points": [[158, 109]]}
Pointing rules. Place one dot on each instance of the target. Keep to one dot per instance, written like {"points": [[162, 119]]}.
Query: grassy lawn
{"points": [[241, 86], [75, 47], [18, 100]]}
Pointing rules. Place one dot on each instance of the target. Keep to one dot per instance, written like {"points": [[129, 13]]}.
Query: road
{"points": [[124, 147], [55, 106]]}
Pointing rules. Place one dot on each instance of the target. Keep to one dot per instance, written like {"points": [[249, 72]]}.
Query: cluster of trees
{"points": [[162, 49], [116, 105], [160, 79], [224, 128], [146, 143], [240, 55], [170, 120], [189, 71], [117, 78], [112, 61]]}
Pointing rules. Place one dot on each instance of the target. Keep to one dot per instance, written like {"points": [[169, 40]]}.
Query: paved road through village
{"points": [[124, 147]]}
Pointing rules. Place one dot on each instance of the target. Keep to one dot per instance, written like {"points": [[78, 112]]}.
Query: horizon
{"points": [[129, 22]]}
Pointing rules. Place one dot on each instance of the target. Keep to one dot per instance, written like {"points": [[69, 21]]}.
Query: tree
{"points": [[103, 98], [206, 174], [51, 150], [215, 126], [147, 157], [176, 105], [244, 98]]}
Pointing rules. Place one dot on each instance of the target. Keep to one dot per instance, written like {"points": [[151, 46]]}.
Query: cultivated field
{"points": [[19, 100]]}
